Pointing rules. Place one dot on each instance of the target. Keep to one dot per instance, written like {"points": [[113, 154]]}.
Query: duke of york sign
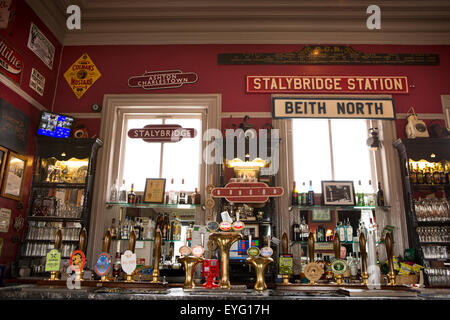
{"points": [[162, 79]]}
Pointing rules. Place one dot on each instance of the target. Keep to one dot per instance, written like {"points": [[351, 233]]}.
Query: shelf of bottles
{"points": [[154, 205]]}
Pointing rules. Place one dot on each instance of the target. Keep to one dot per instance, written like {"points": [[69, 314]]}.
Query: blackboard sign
{"points": [[13, 127]]}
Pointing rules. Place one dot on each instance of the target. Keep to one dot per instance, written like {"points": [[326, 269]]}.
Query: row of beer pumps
{"points": [[222, 237]]}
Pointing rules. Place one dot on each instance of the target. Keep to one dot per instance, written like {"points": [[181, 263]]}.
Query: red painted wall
{"points": [[17, 35], [118, 63]]}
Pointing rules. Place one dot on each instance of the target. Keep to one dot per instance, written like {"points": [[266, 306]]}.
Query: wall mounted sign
{"points": [[327, 84], [41, 46], [167, 79], [77, 261], [4, 13], [324, 55], [11, 62], [162, 133], [82, 75], [13, 127], [5, 218], [53, 261], [103, 264], [346, 108], [247, 192], [37, 82]]}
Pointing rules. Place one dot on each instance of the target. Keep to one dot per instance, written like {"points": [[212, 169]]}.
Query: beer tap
{"points": [[338, 266], [388, 243], [82, 247], [106, 246], [54, 275], [311, 247], [190, 262], [155, 275], [362, 248], [312, 270], [284, 250]]}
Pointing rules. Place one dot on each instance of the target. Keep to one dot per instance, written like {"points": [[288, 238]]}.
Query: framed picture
{"points": [[338, 193], [154, 190], [3, 154], [321, 215], [251, 228], [14, 176]]}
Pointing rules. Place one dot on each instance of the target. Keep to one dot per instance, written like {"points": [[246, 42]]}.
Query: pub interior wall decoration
{"points": [[3, 155], [81, 75], [41, 46], [14, 176], [14, 126]]}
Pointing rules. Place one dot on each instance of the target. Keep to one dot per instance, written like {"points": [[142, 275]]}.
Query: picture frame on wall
{"points": [[14, 176], [251, 228], [3, 154], [154, 190], [338, 193], [321, 215]]}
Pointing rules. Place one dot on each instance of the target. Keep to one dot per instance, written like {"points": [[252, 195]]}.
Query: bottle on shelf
{"points": [[428, 175], [310, 194], [182, 195], [294, 200], [420, 175], [320, 234], [370, 195], [436, 174], [304, 230], [412, 173], [117, 266], [123, 193], [113, 229], [380, 196], [360, 194], [172, 194], [349, 232], [114, 193], [304, 195], [443, 177], [295, 231], [137, 229], [132, 195], [196, 197]]}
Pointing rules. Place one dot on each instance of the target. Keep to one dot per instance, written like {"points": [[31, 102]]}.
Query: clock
{"points": [[416, 128]]}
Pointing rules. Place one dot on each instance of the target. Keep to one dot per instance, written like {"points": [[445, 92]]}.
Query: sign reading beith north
{"points": [[346, 108], [327, 84]]}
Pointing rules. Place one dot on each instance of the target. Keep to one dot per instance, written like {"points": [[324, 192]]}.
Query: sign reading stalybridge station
{"points": [[346, 108], [327, 84]]}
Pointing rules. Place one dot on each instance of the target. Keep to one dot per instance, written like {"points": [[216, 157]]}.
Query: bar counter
{"points": [[237, 292]]}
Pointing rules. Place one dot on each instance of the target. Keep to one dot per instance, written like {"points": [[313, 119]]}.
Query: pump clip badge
{"points": [[103, 264]]}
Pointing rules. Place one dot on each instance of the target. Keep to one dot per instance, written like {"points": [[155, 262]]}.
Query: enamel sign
{"points": [[11, 62], [162, 79], [82, 75]]}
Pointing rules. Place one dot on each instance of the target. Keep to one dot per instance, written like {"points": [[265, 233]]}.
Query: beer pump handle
{"points": [[362, 248], [82, 243], [337, 246], [311, 247], [58, 239], [107, 241], [284, 244], [132, 241], [388, 243]]}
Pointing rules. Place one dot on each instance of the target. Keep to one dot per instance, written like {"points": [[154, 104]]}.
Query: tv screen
{"points": [[55, 125]]}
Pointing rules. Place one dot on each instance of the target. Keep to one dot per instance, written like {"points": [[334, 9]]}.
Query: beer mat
{"points": [[377, 293]]}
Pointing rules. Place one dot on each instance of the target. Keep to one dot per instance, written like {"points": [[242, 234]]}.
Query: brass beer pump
{"points": [[388, 243], [224, 241], [54, 275], [260, 264], [131, 247], [362, 248], [82, 247], [106, 246], [190, 262], [157, 257]]}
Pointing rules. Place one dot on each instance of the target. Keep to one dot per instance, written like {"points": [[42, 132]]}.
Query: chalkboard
{"points": [[13, 127]]}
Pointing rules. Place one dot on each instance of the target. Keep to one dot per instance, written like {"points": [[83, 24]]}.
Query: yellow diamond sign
{"points": [[81, 75]]}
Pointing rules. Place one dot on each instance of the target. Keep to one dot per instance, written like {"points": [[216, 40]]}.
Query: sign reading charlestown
{"points": [[11, 62], [162, 133], [162, 79], [327, 84], [346, 108]]}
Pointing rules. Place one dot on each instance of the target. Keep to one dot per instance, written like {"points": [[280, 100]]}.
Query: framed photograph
{"points": [[251, 228], [14, 176], [321, 215], [154, 190], [3, 154], [338, 193]]}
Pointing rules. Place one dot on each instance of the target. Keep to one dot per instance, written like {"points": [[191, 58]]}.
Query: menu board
{"points": [[13, 127]]}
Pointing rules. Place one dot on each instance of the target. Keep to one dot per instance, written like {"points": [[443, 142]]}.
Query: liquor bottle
{"points": [[412, 173], [442, 178], [354, 267], [320, 234], [428, 175], [182, 197], [114, 193], [370, 195], [436, 175], [116, 266], [380, 196], [420, 175], [349, 232], [294, 200], [342, 232], [196, 197], [137, 229], [360, 194], [172, 194], [295, 231], [310, 194], [304, 195], [447, 173], [305, 230], [132, 195], [123, 193], [113, 229]]}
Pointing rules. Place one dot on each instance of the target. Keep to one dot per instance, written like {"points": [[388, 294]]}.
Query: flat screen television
{"points": [[55, 125]]}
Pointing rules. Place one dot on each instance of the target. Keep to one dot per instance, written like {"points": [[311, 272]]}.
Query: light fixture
{"points": [[373, 141]]}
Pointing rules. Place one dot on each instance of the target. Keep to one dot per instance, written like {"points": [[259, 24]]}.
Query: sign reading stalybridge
{"points": [[162, 79], [347, 108], [162, 133], [327, 84]]}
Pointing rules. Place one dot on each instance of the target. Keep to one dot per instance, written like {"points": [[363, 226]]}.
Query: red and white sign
{"points": [[128, 262], [249, 192], [11, 62], [167, 79], [162, 133], [327, 84], [77, 261]]}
